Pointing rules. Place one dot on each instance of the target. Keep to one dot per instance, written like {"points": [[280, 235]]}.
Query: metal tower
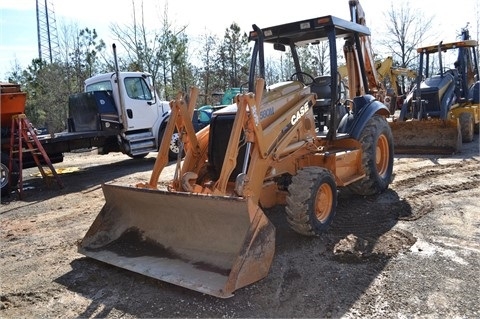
{"points": [[48, 49]]}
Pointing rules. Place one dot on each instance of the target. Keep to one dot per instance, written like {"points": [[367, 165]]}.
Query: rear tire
{"points": [[467, 126], [377, 157], [312, 201], [5, 183]]}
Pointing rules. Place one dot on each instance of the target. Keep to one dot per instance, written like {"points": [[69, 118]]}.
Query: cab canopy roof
{"points": [[309, 31], [448, 46], [123, 74]]}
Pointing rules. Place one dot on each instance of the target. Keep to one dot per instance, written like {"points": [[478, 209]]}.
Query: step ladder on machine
{"points": [[24, 139]]}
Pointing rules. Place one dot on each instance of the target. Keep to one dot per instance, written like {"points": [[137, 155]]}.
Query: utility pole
{"points": [[48, 49]]}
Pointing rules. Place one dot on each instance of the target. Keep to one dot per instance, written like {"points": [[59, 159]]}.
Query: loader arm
{"points": [[230, 160], [384, 67], [294, 127], [268, 139], [240, 124], [181, 119], [278, 135], [184, 123]]}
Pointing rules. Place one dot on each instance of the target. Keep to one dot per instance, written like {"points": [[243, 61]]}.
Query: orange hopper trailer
{"points": [[12, 102]]}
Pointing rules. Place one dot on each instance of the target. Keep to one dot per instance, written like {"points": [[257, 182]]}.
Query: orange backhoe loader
{"points": [[207, 231]]}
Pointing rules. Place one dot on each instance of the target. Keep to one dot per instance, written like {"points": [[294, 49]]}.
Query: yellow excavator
{"points": [[207, 230], [396, 92], [442, 110], [388, 81]]}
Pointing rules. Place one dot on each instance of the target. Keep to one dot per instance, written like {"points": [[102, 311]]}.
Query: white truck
{"points": [[125, 103], [117, 112], [136, 112]]}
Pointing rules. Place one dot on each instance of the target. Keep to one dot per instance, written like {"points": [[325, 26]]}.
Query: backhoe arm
{"points": [[359, 85]]}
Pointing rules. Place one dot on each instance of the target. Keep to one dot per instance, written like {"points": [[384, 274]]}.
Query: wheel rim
{"points": [[382, 155], [174, 143], [4, 176], [324, 202]]}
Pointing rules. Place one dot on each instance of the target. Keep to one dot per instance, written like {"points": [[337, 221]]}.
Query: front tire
{"points": [[312, 201], [377, 157]]}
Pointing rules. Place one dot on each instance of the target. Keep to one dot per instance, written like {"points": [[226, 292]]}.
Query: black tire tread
{"points": [[372, 183], [300, 193], [14, 175]]}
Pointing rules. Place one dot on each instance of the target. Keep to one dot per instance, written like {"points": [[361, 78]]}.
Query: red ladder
{"points": [[24, 139]]}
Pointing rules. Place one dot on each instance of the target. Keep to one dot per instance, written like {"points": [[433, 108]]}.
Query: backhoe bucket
{"points": [[210, 244], [426, 137]]}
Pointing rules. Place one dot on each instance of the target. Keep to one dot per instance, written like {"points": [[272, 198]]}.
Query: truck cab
{"points": [[138, 110]]}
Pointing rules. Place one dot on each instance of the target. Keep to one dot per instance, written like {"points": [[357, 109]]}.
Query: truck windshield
{"points": [[99, 86], [137, 89]]}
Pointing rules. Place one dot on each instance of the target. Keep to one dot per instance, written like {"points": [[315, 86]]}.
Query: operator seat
{"points": [[439, 90], [321, 109], [456, 80], [321, 87]]}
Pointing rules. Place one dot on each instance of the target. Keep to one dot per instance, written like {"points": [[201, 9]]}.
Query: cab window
{"points": [[137, 89], [99, 86]]}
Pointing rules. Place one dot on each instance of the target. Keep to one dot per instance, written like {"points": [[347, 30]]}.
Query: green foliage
{"points": [[206, 79], [48, 85], [46, 104], [234, 56], [225, 65], [84, 57]]}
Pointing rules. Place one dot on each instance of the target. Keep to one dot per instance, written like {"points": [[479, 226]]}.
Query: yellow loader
{"points": [[207, 231], [388, 81], [442, 110]]}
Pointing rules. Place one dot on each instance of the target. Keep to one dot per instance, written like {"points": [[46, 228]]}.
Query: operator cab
{"points": [[442, 88], [307, 43]]}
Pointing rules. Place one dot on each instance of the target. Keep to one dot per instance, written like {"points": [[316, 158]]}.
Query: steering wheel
{"points": [[296, 75]]}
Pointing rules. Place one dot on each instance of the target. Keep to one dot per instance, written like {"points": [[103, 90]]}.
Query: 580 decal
{"points": [[266, 113]]}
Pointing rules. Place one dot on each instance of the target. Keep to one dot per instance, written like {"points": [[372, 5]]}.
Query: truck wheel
{"points": [[312, 201], [467, 126], [377, 157], [173, 148], [4, 177]]}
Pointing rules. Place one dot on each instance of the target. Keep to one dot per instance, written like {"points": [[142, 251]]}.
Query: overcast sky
{"points": [[18, 28]]}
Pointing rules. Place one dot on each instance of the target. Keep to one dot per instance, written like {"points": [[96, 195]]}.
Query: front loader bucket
{"points": [[210, 244], [426, 137]]}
